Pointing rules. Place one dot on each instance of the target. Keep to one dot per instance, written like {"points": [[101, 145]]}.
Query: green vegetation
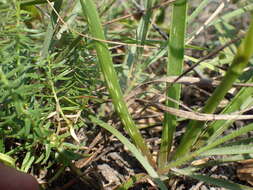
{"points": [[65, 64]]}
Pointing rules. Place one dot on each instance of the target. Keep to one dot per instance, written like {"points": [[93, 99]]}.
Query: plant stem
{"points": [[112, 81], [136, 52], [240, 61], [216, 143], [174, 68], [50, 30]]}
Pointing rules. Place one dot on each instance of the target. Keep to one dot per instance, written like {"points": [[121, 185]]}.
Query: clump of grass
{"points": [[175, 59], [49, 86]]}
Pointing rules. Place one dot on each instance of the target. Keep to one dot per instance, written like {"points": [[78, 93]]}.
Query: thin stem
{"points": [[220, 141], [240, 61], [142, 33], [112, 81], [174, 68]]}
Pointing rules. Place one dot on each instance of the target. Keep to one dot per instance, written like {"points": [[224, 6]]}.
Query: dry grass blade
{"points": [[197, 116], [192, 81]]}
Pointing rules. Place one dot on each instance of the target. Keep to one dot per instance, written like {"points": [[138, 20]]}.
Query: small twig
{"points": [[162, 33], [162, 98], [148, 116], [192, 81], [85, 161], [216, 12], [196, 115], [183, 80]]}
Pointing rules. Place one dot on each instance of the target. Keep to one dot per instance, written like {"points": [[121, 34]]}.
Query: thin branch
{"points": [[210, 19], [196, 115], [192, 81], [206, 83]]}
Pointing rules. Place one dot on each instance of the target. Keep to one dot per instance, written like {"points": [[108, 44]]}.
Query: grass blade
{"points": [[174, 68], [106, 66], [241, 101], [130, 182], [228, 150], [50, 29], [136, 52], [230, 15], [214, 181], [198, 10], [244, 52], [7, 160], [144, 162], [218, 142]]}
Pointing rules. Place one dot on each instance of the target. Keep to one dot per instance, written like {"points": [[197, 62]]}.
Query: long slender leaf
{"points": [[241, 101], [214, 181], [50, 29], [229, 150], [174, 68], [144, 162], [244, 52], [198, 10], [106, 65], [136, 52], [218, 142]]}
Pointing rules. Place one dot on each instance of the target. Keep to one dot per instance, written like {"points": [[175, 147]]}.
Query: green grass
{"points": [[58, 79], [176, 45]]}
